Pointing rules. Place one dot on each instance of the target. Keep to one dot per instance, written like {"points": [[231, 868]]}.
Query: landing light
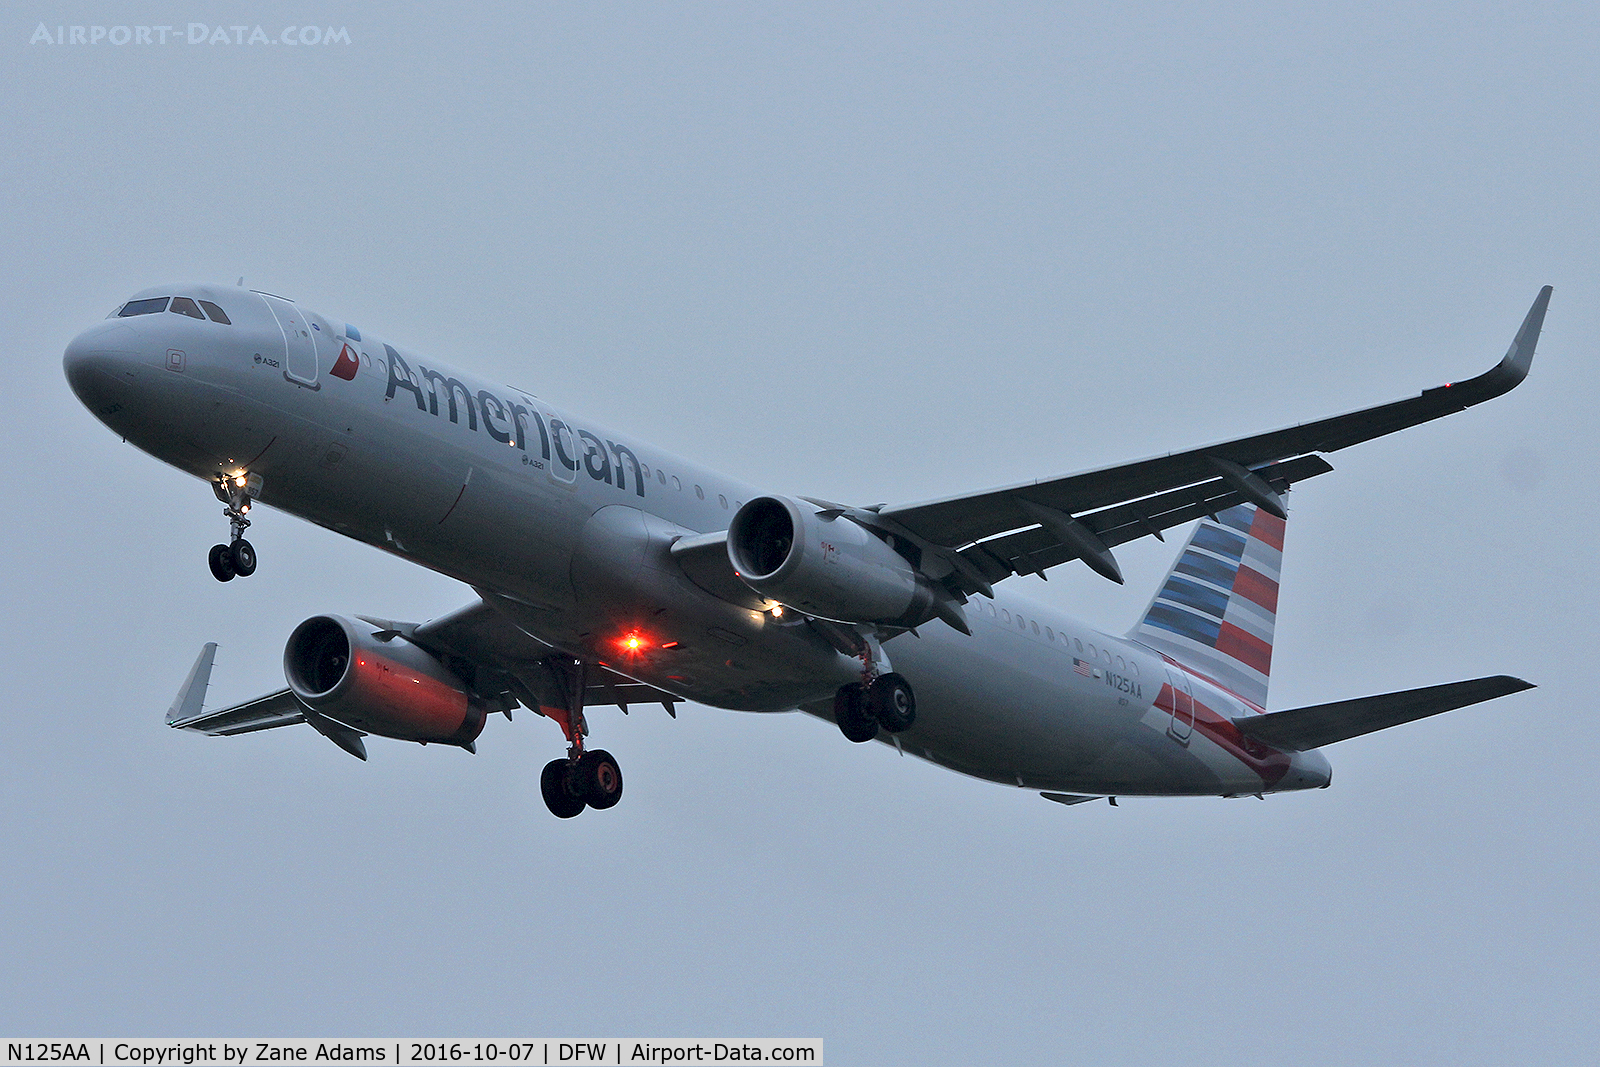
{"points": [[777, 611], [632, 642], [238, 480]]}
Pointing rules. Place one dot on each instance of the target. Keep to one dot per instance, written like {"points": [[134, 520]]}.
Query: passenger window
{"points": [[1035, 626], [661, 476], [676, 484], [1121, 666], [1077, 644], [184, 306], [218, 315], [1135, 665], [644, 471], [1091, 652], [699, 492], [1005, 616], [1049, 634], [143, 307], [722, 500]]}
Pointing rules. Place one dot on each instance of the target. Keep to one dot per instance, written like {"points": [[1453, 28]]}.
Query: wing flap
{"points": [[1037, 549], [488, 635], [1301, 729]]}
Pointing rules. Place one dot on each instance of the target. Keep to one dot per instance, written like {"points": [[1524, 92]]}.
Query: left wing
{"points": [[1021, 529], [486, 637], [262, 713], [500, 662]]}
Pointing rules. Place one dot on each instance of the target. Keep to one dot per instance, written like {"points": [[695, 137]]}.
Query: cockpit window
{"points": [[143, 307], [351, 332], [184, 306], [216, 313]]}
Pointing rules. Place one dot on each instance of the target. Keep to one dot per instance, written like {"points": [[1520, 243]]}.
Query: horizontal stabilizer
{"points": [[1300, 729]]}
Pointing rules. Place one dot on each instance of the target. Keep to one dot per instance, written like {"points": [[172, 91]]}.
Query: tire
{"points": [[599, 779], [221, 563], [557, 797], [243, 555], [892, 703], [850, 712]]}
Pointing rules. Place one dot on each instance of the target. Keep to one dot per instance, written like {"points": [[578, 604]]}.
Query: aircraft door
{"points": [[299, 347], [566, 454], [1182, 724]]}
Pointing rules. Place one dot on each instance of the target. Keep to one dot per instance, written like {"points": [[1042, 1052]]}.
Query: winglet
{"points": [[1510, 371], [192, 696]]}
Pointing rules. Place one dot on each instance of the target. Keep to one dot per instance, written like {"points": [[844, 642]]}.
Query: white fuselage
{"points": [[567, 527]]}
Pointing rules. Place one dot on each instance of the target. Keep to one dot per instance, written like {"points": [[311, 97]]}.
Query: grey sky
{"points": [[871, 254]]}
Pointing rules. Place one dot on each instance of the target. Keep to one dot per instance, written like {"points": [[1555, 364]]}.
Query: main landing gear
{"points": [[887, 701], [587, 778], [238, 556]]}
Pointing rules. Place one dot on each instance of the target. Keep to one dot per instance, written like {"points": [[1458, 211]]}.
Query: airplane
{"points": [[609, 572]]}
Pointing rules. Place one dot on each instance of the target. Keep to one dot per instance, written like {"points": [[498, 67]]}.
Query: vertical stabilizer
{"points": [[1216, 610]]}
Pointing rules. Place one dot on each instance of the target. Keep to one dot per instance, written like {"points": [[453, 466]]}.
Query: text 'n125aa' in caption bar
{"points": [[410, 1052]]}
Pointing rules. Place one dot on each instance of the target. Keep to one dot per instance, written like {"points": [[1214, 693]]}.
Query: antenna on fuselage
{"points": [[240, 283]]}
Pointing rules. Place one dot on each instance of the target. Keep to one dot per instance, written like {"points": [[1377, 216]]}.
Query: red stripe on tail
{"points": [[1245, 647], [1267, 529], [1256, 588]]}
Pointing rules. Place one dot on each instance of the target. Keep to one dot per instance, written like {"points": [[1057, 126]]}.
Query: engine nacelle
{"points": [[831, 567], [392, 688]]}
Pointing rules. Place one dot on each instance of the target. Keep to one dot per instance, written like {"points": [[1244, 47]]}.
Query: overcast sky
{"points": [[871, 253]]}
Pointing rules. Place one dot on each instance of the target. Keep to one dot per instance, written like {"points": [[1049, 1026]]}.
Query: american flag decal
{"points": [[1084, 668]]}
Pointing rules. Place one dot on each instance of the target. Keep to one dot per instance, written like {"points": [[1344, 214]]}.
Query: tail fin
{"points": [[1217, 608]]}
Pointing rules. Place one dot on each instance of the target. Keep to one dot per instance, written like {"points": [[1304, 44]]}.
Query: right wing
{"points": [[986, 536]]}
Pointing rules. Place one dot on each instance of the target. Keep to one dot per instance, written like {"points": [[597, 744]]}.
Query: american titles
{"points": [[509, 422]]}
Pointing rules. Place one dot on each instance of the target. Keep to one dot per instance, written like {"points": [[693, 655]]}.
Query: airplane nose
{"points": [[101, 365]]}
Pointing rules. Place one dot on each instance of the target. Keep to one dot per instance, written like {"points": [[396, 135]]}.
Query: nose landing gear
{"points": [[238, 556]]}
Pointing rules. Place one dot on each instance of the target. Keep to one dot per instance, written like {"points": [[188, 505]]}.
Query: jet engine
{"points": [[829, 566], [380, 683]]}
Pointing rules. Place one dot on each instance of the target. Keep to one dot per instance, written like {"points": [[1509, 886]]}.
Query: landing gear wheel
{"points": [[221, 561], [892, 703], [850, 712], [558, 797], [598, 778], [243, 556]]}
